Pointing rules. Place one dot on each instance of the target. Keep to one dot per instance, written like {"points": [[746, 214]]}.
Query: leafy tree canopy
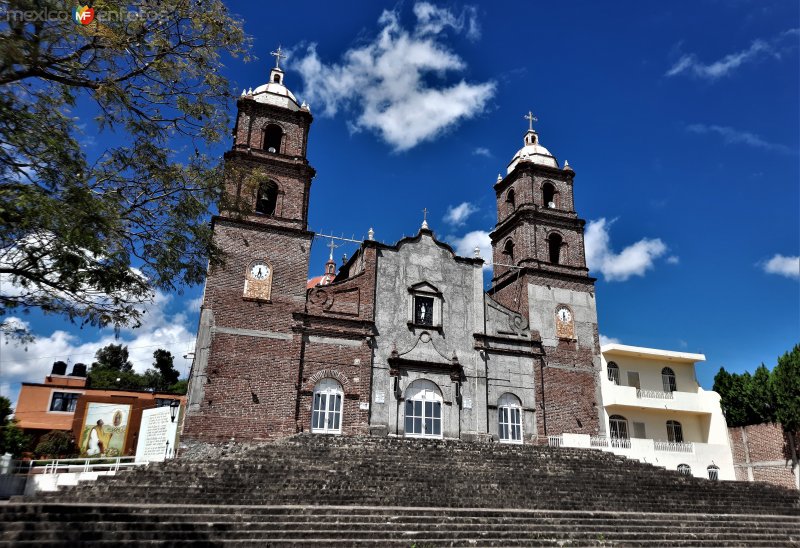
{"points": [[113, 369], [763, 396], [90, 235]]}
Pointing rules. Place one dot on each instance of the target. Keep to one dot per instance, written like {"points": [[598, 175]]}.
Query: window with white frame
{"points": [[423, 410], [423, 310], [509, 412], [326, 415], [613, 372], [674, 432], [685, 469], [64, 401], [713, 472], [668, 380], [618, 427]]}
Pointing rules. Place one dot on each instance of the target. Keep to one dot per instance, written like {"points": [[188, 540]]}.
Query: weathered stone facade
{"points": [[403, 341]]}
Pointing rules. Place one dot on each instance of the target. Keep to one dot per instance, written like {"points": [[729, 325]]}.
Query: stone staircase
{"points": [[344, 491]]}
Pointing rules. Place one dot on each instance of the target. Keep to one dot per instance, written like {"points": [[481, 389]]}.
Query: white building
{"points": [[655, 411]]}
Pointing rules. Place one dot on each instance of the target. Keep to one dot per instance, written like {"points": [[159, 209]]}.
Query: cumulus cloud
{"points": [[634, 260], [783, 266], [160, 329], [732, 136], [758, 50], [608, 340], [457, 215], [482, 151], [390, 85], [466, 244]]}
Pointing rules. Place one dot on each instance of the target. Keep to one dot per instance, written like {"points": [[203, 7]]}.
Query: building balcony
{"points": [[645, 398], [697, 456]]}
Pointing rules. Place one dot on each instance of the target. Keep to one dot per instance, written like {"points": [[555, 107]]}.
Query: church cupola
{"points": [[531, 150]]}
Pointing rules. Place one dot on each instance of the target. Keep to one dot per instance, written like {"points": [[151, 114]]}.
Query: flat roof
{"points": [[651, 353]]}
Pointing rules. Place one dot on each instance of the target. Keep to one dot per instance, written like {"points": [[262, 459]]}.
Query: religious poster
{"points": [[105, 427], [158, 435]]}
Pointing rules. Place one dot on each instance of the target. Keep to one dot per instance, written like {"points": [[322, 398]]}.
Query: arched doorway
{"points": [[423, 410]]}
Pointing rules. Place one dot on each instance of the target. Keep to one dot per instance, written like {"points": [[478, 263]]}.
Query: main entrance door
{"points": [[423, 410]]}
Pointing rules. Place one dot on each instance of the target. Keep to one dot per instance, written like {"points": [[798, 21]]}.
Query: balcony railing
{"points": [[653, 394], [674, 447]]}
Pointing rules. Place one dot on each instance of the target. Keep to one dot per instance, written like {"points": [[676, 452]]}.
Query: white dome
{"points": [[274, 92], [532, 152]]}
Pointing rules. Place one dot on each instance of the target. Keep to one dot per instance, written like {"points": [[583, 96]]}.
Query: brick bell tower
{"points": [[539, 236], [244, 377]]}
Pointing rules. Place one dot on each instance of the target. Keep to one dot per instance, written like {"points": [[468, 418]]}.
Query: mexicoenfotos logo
{"points": [[83, 15]]}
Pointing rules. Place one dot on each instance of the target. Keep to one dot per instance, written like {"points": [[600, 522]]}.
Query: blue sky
{"points": [[680, 120]]}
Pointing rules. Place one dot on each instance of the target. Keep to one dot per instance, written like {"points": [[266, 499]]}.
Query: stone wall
{"points": [[761, 452]]}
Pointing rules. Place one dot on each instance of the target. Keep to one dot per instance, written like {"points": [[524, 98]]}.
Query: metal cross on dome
{"points": [[332, 246], [531, 119], [278, 55]]}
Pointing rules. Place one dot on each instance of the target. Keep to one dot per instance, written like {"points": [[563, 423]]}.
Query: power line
{"points": [[172, 345]]}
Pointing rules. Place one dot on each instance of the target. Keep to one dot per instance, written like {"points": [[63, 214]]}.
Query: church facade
{"points": [[402, 340]]}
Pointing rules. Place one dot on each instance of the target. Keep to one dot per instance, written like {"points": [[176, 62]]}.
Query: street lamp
{"points": [[174, 405]]}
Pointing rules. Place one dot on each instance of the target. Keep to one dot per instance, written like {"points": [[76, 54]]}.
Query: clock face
{"points": [[564, 315], [259, 271]]}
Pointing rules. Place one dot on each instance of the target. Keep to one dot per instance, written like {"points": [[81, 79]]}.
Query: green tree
{"points": [[761, 398], [55, 444], [113, 357], [734, 391], [13, 440], [91, 235], [5, 409], [164, 364], [786, 385]]}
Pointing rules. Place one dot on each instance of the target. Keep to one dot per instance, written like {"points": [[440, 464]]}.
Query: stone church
{"points": [[402, 340]]}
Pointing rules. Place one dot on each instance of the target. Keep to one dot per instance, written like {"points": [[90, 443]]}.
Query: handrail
{"points": [[54, 466]]}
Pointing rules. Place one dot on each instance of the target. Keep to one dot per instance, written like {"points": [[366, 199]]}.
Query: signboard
{"points": [[157, 435], [104, 429]]}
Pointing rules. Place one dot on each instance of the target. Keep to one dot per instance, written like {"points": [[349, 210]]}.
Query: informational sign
{"points": [[380, 396], [364, 405], [157, 435], [467, 403]]}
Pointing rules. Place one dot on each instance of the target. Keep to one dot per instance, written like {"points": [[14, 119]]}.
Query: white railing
{"points": [[598, 441], [58, 466], [554, 441], [620, 443], [653, 394], [675, 447]]}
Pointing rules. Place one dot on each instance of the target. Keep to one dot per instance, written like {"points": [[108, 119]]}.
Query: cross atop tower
{"points": [[332, 246], [278, 55], [530, 118], [424, 217]]}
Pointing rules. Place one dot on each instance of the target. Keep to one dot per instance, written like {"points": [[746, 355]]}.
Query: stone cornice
{"points": [[263, 226], [280, 163], [533, 169]]}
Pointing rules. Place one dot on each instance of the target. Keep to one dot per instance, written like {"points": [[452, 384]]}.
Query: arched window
{"points": [[277, 78], [713, 472], [326, 415], [508, 251], [510, 199], [509, 416], [613, 372], [423, 410], [618, 426], [674, 432], [267, 198], [668, 380], [554, 243], [685, 469], [549, 195], [273, 134]]}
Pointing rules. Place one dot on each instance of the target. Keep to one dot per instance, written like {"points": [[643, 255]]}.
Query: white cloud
{"points": [[465, 245], [758, 50], [783, 266], [385, 82], [736, 136], [482, 151], [32, 362], [457, 215], [673, 259], [634, 260], [608, 340]]}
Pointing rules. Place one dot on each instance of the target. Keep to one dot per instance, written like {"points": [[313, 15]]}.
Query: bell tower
{"points": [[245, 372], [540, 269]]}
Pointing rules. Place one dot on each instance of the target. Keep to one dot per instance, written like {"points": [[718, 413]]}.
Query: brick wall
{"points": [[761, 452]]}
